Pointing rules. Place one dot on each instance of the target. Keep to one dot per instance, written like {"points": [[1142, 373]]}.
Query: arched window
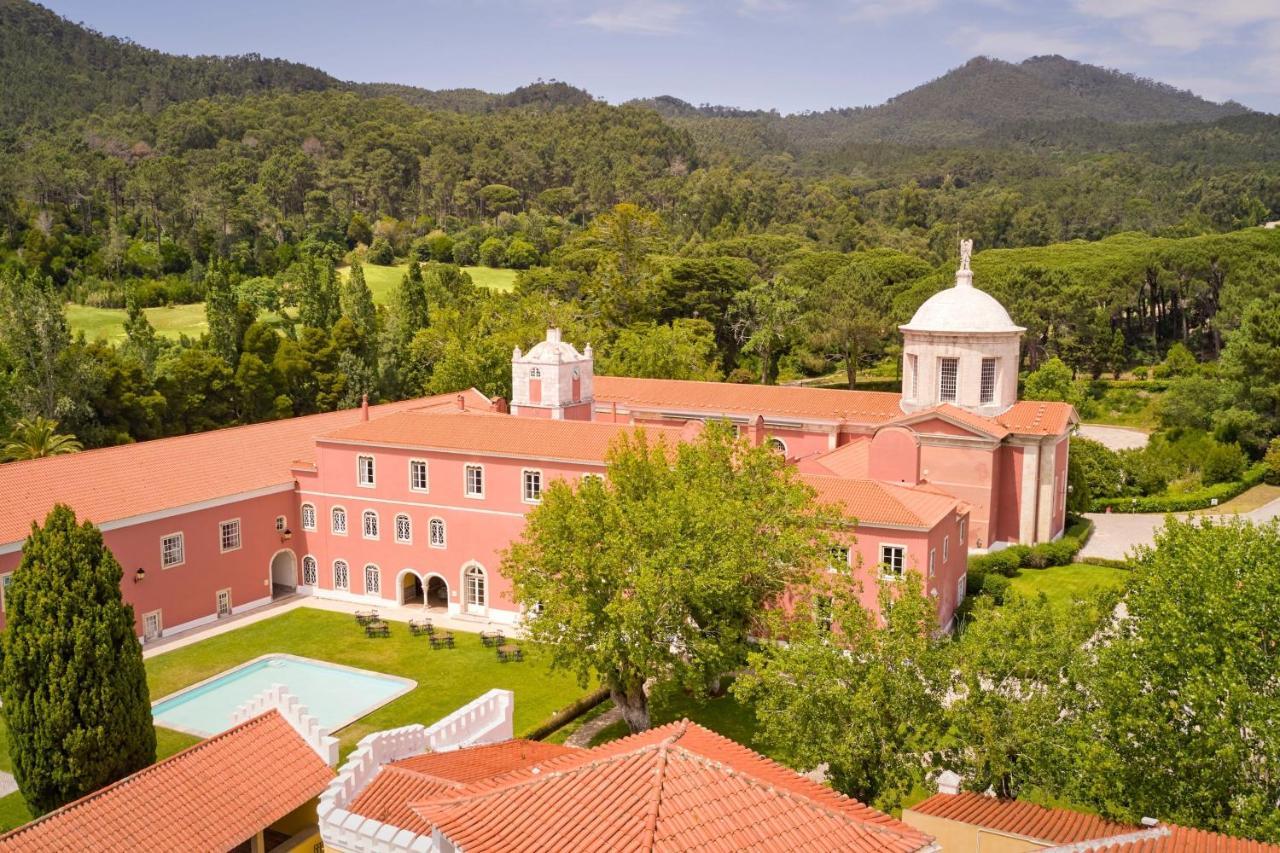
{"points": [[308, 517], [475, 589], [339, 516], [309, 573], [404, 528], [437, 533], [341, 578], [535, 373], [281, 523], [372, 580], [777, 445], [370, 524]]}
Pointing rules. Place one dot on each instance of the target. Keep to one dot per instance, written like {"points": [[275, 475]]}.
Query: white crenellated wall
{"points": [[487, 719], [277, 698]]}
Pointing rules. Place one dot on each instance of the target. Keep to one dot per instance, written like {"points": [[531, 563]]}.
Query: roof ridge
{"points": [[664, 748], [147, 771]]}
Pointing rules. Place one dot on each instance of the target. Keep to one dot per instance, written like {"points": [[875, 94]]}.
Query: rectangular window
{"points": [[152, 625], [224, 603], [987, 387], [341, 579], [308, 517], [229, 535], [946, 550], [437, 533], [417, 475], [893, 560], [532, 486], [370, 524], [372, 580], [948, 377], [933, 552], [823, 609], [474, 481], [964, 529], [404, 529], [839, 558], [5, 582], [962, 586], [172, 551], [913, 365], [364, 471]]}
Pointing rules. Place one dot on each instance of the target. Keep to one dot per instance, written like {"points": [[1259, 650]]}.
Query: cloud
{"points": [[882, 10], [636, 16], [766, 8], [1183, 25], [1017, 45]]}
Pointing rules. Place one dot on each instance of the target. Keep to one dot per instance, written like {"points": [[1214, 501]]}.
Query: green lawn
{"points": [[1062, 584], [381, 280], [447, 679], [108, 323]]}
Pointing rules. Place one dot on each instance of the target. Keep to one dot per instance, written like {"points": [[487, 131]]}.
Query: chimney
{"points": [[756, 431], [462, 402], [364, 407], [553, 336], [499, 405], [948, 782]]}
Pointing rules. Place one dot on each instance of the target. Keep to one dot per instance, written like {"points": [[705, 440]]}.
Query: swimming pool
{"points": [[335, 695]]}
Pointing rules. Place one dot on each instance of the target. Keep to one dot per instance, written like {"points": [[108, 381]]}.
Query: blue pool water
{"points": [[334, 695]]}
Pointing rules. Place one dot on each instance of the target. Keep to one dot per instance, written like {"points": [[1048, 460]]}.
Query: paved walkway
{"points": [[1114, 437], [582, 737], [390, 612], [1115, 534]]}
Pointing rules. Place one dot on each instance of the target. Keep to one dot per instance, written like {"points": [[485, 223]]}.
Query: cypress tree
{"points": [[75, 691]]}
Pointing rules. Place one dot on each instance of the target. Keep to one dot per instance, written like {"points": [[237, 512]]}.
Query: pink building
{"points": [[412, 503]]}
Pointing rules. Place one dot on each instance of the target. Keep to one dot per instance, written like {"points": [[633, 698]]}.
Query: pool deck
{"points": [[392, 613]]}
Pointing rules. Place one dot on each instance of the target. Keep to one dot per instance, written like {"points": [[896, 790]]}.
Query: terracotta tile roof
{"points": [[220, 791], [121, 482], [1067, 827], [580, 441], [851, 460], [387, 797], [482, 762], [872, 502], [678, 787], [772, 401], [1029, 417]]}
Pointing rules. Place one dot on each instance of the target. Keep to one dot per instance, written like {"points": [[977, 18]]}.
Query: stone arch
{"points": [[283, 572]]}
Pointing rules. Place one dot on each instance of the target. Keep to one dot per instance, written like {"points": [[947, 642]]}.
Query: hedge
{"points": [[1199, 499], [568, 715], [1108, 562]]}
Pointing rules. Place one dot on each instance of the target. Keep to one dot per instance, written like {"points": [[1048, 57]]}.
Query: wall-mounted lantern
{"points": [[286, 535], [140, 575]]}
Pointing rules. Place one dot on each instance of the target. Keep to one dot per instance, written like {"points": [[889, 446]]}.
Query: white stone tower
{"points": [[961, 348], [552, 380]]}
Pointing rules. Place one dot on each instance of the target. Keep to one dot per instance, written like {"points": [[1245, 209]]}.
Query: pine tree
{"points": [[141, 340], [220, 311], [411, 301], [75, 691], [318, 295]]}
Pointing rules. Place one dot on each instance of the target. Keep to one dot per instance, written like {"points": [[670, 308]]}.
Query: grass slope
{"points": [[382, 280], [1062, 584]]}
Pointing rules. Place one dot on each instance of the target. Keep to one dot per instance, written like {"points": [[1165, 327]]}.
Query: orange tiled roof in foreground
{"points": [[129, 480], [1067, 827], [211, 796], [580, 441], [878, 503], [677, 787], [1031, 417]]}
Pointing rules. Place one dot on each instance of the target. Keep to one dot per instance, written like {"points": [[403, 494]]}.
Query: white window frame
{"points": [[182, 550], [315, 570], [346, 521], [365, 515], [964, 529], [933, 554], [987, 383], [886, 566], [913, 362], [466, 481], [426, 476], [776, 444], [5, 580], [468, 571], [942, 378], [159, 617], [217, 602], [346, 575], [838, 558], [946, 549], [372, 570], [308, 514], [431, 533], [223, 527], [362, 481], [524, 485], [282, 524], [407, 539], [962, 586]]}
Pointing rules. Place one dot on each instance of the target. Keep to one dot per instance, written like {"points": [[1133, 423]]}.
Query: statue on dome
{"points": [[966, 252]]}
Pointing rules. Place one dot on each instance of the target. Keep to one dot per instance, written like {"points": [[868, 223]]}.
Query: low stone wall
{"points": [[487, 719]]}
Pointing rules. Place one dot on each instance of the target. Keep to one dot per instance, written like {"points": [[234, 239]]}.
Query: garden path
{"points": [[1115, 534], [1114, 437], [582, 737]]}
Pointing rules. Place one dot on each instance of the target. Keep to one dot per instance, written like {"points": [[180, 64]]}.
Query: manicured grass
{"points": [[1256, 497], [447, 679], [1062, 584], [382, 280], [108, 323]]}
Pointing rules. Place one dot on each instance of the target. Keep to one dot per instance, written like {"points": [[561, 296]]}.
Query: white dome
{"points": [[959, 309], [552, 351]]}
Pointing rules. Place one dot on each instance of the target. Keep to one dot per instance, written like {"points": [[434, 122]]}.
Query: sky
{"points": [[790, 55]]}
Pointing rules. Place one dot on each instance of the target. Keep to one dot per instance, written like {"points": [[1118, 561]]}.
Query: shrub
{"points": [[1222, 464], [1198, 499], [436, 246], [562, 718], [521, 254], [997, 587], [1271, 463], [464, 251], [1050, 381], [492, 252], [1005, 562], [1106, 561], [381, 253], [1048, 554]]}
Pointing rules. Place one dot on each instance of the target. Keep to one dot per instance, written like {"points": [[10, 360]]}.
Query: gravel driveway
{"points": [[1114, 534]]}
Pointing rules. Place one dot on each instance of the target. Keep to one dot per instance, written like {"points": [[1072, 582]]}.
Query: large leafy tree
{"points": [[657, 574], [858, 691], [1179, 700], [75, 691]]}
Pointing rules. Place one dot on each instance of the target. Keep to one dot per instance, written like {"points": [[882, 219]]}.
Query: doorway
{"points": [[437, 593], [284, 574], [474, 590], [410, 589]]}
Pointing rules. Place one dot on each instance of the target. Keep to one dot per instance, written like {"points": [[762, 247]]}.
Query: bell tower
{"points": [[552, 380]]}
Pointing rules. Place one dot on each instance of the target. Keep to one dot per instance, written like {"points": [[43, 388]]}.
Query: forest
{"points": [[681, 242]]}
